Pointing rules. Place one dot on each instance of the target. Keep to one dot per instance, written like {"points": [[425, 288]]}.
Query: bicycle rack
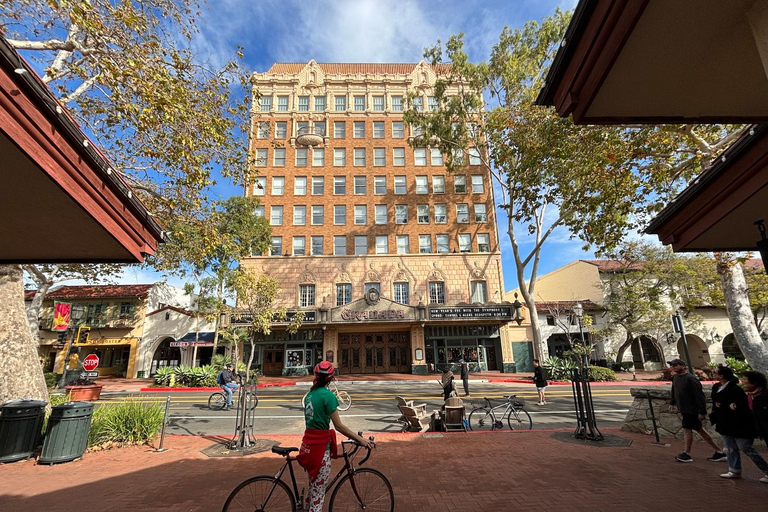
{"points": [[585, 408], [244, 420]]}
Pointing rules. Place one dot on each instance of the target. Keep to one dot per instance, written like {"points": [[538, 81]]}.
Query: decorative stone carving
{"points": [[436, 275], [372, 277], [477, 273], [307, 277], [343, 277]]}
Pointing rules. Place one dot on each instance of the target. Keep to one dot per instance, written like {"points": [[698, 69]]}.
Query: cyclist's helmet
{"points": [[324, 368]]}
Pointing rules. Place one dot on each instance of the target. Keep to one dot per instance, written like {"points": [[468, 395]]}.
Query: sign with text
{"points": [[471, 312], [363, 310], [90, 362], [310, 317], [89, 375]]}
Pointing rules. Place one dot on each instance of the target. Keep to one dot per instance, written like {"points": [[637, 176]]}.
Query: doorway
{"points": [[273, 361], [697, 348]]}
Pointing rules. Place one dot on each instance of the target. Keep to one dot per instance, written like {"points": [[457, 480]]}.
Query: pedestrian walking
{"points": [[540, 381], [734, 422], [465, 376], [449, 386], [688, 396], [757, 392]]}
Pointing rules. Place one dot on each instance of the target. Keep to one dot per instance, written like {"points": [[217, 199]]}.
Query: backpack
{"points": [[219, 380]]}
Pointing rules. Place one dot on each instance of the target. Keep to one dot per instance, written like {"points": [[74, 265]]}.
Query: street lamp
{"points": [[75, 314], [578, 310], [582, 392]]}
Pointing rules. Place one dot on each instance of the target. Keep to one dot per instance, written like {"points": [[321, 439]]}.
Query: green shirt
{"points": [[318, 407]]}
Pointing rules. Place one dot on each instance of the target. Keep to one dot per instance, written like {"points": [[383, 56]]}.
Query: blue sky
{"points": [[367, 31]]}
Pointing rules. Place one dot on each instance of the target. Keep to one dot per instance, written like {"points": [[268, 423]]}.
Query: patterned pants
{"points": [[316, 492]]}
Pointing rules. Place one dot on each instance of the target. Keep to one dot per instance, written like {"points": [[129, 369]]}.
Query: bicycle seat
{"points": [[284, 451]]}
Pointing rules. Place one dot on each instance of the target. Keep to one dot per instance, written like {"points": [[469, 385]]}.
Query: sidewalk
{"points": [[526, 471]]}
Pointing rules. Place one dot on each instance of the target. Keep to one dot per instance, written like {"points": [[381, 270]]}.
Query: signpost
{"points": [[90, 362]]}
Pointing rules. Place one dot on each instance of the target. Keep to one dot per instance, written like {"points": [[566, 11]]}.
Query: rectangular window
{"points": [[436, 156], [420, 156], [276, 246], [378, 129], [358, 130], [382, 244], [262, 130], [398, 132], [281, 129], [458, 156], [339, 129], [301, 127], [401, 293], [465, 242], [432, 103], [359, 103], [276, 216], [339, 157], [400, 187], [278, 186], [265, 102], [299, 246], [380, 211], [299, 215], [318, 157], [478, 291], [340, 214], [437, 293], [339, 245], [278, 157], [282, 103], [318, 185], [441, 214], [303, 103], [480, 213], [360, 188], [318, 215], [460, 184], [300, 186], [317, 245], [319, 103], [443, 244], [361, 245], [417, 131], [339, 185], [318, 128], [259, 185], [422, 214], [262, 156], [376, 286], [341, 103], [402, 244], [425, 244], [378, 103], [306, 295], [483, 242], [401, 214], [258, 211], [422, 186], [343, 294], [379, 157], [361, 214], [398, 157], [397, 103], [379, 185], [462, 213], [438, 184], [474, 157], [301, 157], [418, 103], [359, 156], [478, 187]]}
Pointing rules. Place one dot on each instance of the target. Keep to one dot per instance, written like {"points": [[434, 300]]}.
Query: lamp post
{"points": [[582, 392], [578, 310], [75, 314]]}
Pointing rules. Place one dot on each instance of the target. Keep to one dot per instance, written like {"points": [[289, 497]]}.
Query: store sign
{"points": [[310, 317], [107, 341], [191, 344], [362, 310], [500, 312]]}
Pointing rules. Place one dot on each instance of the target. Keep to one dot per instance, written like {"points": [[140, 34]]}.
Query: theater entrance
{"points": [[375, 352]]}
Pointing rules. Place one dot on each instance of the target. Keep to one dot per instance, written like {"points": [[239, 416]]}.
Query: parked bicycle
{"points": [[218, 400], [357, 488], [345, 401], [489, 418]]}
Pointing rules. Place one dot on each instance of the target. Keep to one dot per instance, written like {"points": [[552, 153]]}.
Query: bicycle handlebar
{"points": [[357, 447]]}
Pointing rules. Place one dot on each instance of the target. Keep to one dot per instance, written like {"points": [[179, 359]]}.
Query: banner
{"points": [[61, 312]]}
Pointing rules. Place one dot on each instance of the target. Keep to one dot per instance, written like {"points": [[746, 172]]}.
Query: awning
{"points": [[201, 337]]}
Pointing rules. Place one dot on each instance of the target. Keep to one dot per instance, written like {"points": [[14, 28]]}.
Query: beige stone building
{"points": [[394, 261]]}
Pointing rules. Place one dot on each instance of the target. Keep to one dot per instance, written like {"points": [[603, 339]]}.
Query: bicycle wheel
{"points": [[519, 419], [481, 419], [261, 493], [217, 401], [344, 400], [373, 489]]}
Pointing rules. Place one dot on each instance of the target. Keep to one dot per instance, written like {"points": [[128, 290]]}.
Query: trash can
{"points": [[67, 434], [21, 422]]}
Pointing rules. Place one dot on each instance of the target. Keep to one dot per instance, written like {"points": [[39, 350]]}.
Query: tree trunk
{"points": [[740, 314], [539, 351], [21, 375], [43, 283]]}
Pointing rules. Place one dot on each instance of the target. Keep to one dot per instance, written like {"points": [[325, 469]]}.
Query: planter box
{"points": [[84, 393]]}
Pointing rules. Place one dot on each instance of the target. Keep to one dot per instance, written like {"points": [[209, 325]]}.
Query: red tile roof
{"points": [[100, 291], [339, 68], [173, 308]]}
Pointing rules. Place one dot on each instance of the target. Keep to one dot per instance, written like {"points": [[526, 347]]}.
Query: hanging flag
{"points": [[61, 312]]}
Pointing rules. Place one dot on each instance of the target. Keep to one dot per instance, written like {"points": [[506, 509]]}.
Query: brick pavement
{"points": [[467, 472]]}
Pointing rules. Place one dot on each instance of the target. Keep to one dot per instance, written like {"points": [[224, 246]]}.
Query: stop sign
{"points": [[90, 362]]}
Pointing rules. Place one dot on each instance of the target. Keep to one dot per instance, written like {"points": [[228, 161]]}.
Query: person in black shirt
{"points": [[465, 376], [540, 381], [229, 383]]}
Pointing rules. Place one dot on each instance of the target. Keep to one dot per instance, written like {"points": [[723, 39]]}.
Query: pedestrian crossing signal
{"points": [[82, 334]]}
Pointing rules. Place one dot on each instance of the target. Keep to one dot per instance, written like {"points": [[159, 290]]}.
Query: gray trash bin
{"points": [[21, 422], [67, 434]]}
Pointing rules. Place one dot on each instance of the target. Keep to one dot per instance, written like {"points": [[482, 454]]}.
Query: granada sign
{"points": [[387, 314]]}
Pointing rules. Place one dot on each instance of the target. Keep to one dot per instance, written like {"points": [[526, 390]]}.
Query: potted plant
{"points": [[83, 389]]}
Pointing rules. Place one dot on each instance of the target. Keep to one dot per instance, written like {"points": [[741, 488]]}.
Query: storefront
{"points": [[283, 353], [117, 356]]}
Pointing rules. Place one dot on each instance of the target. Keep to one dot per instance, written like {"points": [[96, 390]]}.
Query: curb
{"points": [[165, 390]]}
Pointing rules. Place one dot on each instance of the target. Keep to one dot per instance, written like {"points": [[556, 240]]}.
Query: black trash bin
{"points": [[67, 434], [21, 422]]}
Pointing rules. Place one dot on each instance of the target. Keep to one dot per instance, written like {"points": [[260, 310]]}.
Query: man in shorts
{"points": [[540, 381], [689, 399]]}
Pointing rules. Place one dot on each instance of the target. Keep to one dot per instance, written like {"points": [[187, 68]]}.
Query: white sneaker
{"points": [[539, 403], [731, 475], [764, 479]]}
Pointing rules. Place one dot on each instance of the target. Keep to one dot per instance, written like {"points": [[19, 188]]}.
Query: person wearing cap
{"points": [[318, 445], [465, 375], [228, 382], [688, 396]]}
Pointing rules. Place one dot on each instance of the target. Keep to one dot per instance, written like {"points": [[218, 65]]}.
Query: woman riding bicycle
{"points": [[319, 442]]}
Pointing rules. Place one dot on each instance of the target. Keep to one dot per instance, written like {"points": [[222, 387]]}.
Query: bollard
{"points": [[653, 419], [160, 448]]}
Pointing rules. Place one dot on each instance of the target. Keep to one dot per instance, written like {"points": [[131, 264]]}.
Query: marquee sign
{"points": [[372, 308], [471, 312], [235, 319]]}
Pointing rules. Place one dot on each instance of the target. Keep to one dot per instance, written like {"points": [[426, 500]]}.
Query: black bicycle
{"points": [[355, 488], [218, 399]]}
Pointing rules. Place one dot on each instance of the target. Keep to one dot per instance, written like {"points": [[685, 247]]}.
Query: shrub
{"points": [[738, 367], [623, 366], [51, 379], [600, 374], [163, 376], [131, 421], [558, 369], [187, 376]]}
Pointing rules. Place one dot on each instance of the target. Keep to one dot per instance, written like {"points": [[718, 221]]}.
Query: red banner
{"points": [[61, 312]]}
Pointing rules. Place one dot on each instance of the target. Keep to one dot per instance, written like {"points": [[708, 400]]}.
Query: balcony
{"points": [[310, 136]]}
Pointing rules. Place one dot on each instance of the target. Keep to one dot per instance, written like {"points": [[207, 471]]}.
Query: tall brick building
{"points": [[394, 261]]}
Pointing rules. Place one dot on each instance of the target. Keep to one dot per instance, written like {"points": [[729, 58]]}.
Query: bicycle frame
{"points": [[509, 408]]}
